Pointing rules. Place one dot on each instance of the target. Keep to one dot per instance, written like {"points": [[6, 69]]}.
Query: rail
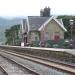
{"points": [[3, 71]]}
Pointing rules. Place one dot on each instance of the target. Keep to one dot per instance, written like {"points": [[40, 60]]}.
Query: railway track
{"points": [[59, 66], [21, 52], [51, 60], [46, 59], [9, 67], [2, 71]]}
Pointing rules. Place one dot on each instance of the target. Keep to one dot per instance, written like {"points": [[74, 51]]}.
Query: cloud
{"points": [[32, 7]]}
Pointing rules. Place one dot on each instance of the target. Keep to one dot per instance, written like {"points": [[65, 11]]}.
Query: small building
{"points": [[38, 29]]}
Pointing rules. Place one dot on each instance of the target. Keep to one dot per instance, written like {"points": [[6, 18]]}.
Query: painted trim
{"points": [[28, 24], [46, 22], [61, 25], [61, 22], [22, 25]]}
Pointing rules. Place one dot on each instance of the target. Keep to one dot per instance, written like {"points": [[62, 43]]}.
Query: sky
{"points": [[15, 8]]}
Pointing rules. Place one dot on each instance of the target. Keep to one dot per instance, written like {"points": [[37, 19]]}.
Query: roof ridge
{"points": [[38, 16]]}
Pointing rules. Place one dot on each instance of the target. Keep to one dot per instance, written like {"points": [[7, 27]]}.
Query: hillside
{"points": [[5, 24]]}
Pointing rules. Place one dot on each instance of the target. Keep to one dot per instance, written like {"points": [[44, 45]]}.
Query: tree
{"points": [[66, 23], [12, 35]]}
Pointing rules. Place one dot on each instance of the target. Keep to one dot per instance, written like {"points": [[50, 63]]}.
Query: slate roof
{"points": [[35, 22]]}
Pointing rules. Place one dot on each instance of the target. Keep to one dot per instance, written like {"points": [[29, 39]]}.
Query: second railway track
{"points": [[9, 67]]}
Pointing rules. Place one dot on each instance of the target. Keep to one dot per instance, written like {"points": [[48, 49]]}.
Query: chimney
{"points": [[45, 12]]}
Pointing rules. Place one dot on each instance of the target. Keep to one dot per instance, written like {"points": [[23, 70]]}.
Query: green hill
{"points": [[5, 24]]}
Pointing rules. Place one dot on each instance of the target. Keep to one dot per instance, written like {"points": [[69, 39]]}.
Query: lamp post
{"points": [[71, 26]]}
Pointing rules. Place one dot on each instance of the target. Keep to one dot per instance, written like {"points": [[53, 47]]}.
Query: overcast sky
{"points": [[15, 8]]}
